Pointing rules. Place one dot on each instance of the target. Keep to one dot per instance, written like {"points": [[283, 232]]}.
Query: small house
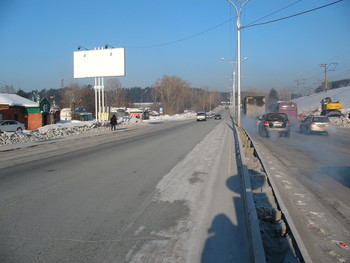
{"points": [[14, 107]]}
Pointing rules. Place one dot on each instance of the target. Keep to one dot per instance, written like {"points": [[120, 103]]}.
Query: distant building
{"points": [[142, 114]]}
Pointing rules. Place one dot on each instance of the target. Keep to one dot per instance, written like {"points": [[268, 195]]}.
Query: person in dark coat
{"points": [[114, 122]]}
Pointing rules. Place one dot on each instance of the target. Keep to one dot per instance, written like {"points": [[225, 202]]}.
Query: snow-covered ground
{"points": [[65, 129], [312, 104]]}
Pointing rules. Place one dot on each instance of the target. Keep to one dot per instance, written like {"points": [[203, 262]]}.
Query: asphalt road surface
{"points": [[162, 193], [312, 173]]}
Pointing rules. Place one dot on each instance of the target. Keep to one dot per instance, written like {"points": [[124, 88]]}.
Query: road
{"points": [[312, 174], [164, 193]]}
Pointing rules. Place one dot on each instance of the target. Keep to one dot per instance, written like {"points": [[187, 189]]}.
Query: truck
{"points": [[254, 105], [330, 108], [201, 116]]}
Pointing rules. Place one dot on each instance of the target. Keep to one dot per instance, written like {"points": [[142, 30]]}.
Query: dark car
{"points": [[217, 116], [274, 123]]}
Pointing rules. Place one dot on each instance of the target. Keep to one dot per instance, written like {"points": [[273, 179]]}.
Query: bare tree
{"points": [[8, 89], [171, 91], [71, 98], [284, 94], [87, 98], [176, 95], [112, 92], [115, 95]]}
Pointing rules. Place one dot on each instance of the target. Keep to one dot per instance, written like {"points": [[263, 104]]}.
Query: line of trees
{"points": [[171, 93], [176, 95]]}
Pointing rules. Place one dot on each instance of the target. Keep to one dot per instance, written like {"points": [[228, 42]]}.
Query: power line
{"points": [[274, 12], [183, 39], [298, 14], [229, 20]]}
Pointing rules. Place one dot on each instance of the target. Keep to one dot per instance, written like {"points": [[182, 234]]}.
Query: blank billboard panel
{"points": [[99, 63]]}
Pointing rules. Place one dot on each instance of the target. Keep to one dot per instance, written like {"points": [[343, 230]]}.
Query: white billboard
{"points": [[99, 63]]}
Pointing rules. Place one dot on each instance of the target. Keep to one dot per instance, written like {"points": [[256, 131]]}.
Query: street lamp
{"points": [[233, 85], [82, 47], [108, 45], [239, 11]]}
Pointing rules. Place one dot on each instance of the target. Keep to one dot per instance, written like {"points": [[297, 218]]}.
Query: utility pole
{"points": [[299, 82], [325, 72], [325, 76]]}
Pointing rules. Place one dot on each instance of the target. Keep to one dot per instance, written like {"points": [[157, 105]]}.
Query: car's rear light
{"points": [[312, 123], [266, 123], [288, 123]]}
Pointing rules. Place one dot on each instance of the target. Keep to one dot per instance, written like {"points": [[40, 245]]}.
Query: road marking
{"points": [[286, 182], [318, 214], [301, 203]]}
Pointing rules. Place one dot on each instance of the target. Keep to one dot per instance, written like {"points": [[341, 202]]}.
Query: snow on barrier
{"points": [[300, 254]]}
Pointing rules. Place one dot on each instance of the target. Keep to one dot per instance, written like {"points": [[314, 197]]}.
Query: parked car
{"points": [[201, 116], [11, 126], [315, 124], [274, 122], [217, 116]]}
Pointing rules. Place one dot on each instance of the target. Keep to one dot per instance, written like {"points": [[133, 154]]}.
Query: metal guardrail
{"points": [[257, 252], [295, 235]]}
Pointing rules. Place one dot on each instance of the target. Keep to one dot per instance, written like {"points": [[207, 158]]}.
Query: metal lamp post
{"points": [[239, 11], [233, 86]]}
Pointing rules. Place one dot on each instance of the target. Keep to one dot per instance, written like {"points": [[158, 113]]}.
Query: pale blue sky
{"points": [[38, 38]]}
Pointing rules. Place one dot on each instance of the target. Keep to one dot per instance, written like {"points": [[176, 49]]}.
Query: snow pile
{"points": [[65, 129], [176, 117], [312, 104], [51, 132], [342, 121]]}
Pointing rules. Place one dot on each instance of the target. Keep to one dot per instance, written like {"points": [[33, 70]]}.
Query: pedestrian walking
{"points": [[114, 122]]}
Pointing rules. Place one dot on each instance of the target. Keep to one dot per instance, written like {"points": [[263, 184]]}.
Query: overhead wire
{"points": [[279, 10], [287, 17], [229, 20], [185, 38]]}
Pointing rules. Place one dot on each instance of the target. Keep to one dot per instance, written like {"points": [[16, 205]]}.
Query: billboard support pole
{"points": [[99, 100], [103, 98], [96, 105]]}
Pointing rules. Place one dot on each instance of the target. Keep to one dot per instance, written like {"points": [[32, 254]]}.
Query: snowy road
{"points": [[312, 176], [165, 193]]}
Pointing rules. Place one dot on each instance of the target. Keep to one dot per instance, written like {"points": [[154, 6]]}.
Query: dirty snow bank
{"points": [[66, 129], [312, 104]]}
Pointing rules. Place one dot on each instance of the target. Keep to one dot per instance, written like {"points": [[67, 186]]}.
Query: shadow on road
{"points": [[338, 173], [228, 242], [219, 247]]}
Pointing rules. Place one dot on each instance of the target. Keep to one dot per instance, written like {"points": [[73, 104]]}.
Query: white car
{"points": [[315, 124], [11, 126]]}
